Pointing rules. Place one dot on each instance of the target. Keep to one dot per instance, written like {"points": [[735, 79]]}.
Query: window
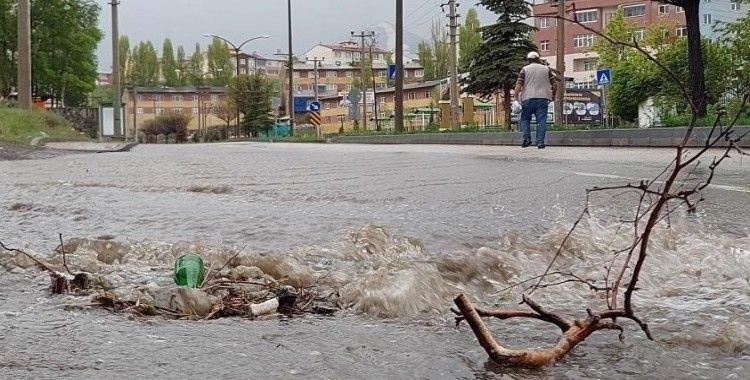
{"points": [[544, 23], [195, 98], [157, 97], [583, 40], [639, 34], [176, 98], [663, 9], [195, 110], [544, 46], [679, 10], [338, 54], [412, 95], [140, 110], [588, 65], [348, 87], [707, 18], [382, 74], [330, 74], [584, 85], [177, 110], [634, 10], [140, 98], [734, 5], [382, 85], [349, 74], [159, 111], [419, 74], [681, 31], [383, 100], [214, 98], [587, 16]]}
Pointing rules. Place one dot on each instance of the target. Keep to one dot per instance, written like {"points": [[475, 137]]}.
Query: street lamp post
{"points": [[237, 49]]}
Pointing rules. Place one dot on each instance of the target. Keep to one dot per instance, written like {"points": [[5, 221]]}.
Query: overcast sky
{"points": [[185, 21]]}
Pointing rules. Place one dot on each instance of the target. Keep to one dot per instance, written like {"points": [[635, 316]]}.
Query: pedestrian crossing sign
{"points": [[603, 77]]}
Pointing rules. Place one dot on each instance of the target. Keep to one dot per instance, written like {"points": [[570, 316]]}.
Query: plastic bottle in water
{"points": [[189, 271]]}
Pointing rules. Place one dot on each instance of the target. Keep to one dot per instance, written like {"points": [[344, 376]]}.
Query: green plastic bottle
{"points": [[189, 271]]}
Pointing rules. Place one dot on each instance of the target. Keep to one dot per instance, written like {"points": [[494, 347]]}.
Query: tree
{"points": [[145, 65], [8, 40], [220, 62], [182, 66], [470, 37], [252, 94], [434, 55], [502, 53], [169, 65], [124, 49], [226, 111], [65, 35], [635, 78], [195, 68], [697, 85]]}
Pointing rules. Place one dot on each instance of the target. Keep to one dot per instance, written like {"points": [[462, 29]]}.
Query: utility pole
{"points": [[560, 62], [315, 61], [362, 36], [455, 107], [117, 98], [24, 55], [374, 91], [291, 71], [398, 98]]}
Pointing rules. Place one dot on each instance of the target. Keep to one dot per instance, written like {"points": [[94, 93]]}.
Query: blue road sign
{"points": [[392, 71], [314, 107], [603, 77]]}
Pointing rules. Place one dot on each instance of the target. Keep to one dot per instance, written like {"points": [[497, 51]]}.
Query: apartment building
{"points": [[417, 97], [339, 78], [146, 103], [344, 53], [580, 60], [251, 63]]}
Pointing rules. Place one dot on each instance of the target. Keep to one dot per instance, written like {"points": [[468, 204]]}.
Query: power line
{"points": [[415, 10]]}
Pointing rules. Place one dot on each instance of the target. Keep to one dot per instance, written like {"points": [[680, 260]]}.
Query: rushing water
{"points": [[399, 231]]}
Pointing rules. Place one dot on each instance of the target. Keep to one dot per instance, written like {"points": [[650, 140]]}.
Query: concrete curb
{"points": [[92, 147], [651, 137]]}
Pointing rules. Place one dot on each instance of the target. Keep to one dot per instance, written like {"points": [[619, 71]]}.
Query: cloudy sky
{"points": [[185, 21]]}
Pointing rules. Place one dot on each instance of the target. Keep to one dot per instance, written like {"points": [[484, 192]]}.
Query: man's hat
{"points": [[533, 55]]}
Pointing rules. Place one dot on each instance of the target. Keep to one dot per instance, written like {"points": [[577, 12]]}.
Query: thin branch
{"points": [[62, 250], [53, 273]]}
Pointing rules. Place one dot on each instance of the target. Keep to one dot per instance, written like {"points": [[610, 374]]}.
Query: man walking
{"points": [[535, 88]]}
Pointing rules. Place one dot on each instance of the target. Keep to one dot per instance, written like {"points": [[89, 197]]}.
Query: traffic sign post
{"points": [[392, 71], [315, 117], [604, 79]]}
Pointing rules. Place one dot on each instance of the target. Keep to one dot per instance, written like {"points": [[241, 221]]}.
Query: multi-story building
{"points": [[334, 78], [146, 103], [251, 63], [344, 53], [335, 110], [580, 60]]}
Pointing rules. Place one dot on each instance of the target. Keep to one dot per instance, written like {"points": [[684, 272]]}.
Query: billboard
{"points": [[582, 107]]}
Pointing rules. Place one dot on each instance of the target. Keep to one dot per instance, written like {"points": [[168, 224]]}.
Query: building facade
{"points": [[580, 60], [146, 103], [340, 78], [344, 53]]}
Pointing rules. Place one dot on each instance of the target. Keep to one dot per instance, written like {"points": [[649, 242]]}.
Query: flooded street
{"points": [[400, 230]]}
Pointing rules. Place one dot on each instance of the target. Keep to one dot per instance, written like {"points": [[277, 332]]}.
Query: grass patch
{"points": [[20, 127]]}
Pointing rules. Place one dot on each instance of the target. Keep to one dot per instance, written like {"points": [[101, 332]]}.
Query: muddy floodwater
{"points": [[401, 229]]}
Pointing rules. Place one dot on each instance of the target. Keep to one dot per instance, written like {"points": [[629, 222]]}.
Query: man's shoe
{"points": [[541, 146], [526, 144]]}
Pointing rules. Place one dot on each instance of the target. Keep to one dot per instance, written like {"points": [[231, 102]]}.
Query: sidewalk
{"points": [[650, 137]]}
